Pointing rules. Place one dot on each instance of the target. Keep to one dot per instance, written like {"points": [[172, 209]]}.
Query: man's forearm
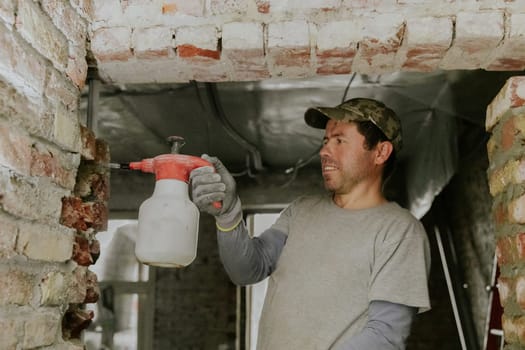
{"points": [[249, 260], [387, 328]]}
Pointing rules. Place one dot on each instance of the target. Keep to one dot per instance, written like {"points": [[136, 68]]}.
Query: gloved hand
{"points": [[210, 185]]}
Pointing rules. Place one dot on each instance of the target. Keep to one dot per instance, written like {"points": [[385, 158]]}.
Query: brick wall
{"points": [[506, 121], [243, 40], [44, 161]]}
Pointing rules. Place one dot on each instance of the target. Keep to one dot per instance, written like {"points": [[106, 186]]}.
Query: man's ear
{"points": [[383, 151]]}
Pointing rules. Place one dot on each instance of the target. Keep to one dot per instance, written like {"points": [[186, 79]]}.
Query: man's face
{"points": [[345, 160]]}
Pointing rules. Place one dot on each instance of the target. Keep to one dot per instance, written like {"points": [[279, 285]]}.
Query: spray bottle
{"points": [[168, 222]]}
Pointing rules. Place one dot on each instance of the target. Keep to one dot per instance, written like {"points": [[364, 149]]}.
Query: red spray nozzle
{"points": [[171, 166]]}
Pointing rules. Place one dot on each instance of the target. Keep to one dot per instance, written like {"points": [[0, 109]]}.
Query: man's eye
{"points": [[339, 140]]}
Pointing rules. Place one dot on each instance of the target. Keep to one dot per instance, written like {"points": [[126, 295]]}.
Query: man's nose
{"points": [[325, 150]]}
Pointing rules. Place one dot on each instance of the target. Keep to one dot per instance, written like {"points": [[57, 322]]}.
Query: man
{"points": [[348, 271]]}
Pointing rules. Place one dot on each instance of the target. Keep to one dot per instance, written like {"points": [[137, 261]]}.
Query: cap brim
{"points": [[317, 117]]}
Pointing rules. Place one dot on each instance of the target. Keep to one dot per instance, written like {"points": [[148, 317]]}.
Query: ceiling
{"points": [[258, 127]]}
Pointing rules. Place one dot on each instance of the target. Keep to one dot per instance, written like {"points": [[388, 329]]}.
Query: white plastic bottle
{"points": [[168, 220], [168, 226]]}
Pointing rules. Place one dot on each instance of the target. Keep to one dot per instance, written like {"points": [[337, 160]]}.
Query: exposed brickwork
{"points": [[152, 42], [243, 45], [476, 36], [36, 27], [511, 53], [378, 36], [289, 48], [17, 287], [42, 69], [511, 97], [425, 43], [112, 44], [506, 177], [336, 47]]}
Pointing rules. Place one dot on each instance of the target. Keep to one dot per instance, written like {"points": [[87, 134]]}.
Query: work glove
{"points": [[215, 184]]}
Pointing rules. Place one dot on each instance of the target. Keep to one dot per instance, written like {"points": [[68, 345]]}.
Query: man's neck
{"points": [[360, 198]]}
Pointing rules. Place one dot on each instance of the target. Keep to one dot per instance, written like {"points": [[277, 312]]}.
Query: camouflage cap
{"points": [[359, 109]]}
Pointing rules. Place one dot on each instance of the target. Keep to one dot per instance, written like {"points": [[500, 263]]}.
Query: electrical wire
{"points": [[352, 77], [254, 153]]}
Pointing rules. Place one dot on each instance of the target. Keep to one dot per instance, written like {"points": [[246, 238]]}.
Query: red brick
{"points": [[152, 42], [193, 8], [83, 216], [508, 133], [500, 213], [425, 43], [16, 286], [92, 185], [510, 55], [199, 43], [60, 167], [81, 252], [89, 143], [75, 321], [382, 37], [289, 49], [336, 47], [92, 291], [506, 251], [477, 34], [263, 6], [336, 61], [243, 45], [103, 155], [111, 44], [514, 329], [189, 51], [512, 95]]}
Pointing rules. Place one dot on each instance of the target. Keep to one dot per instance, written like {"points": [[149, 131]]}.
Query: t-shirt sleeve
{"points": [[282, 223], [400, 268]]}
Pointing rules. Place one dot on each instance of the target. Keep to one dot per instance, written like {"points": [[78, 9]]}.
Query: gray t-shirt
{"points": [[335, 261]]}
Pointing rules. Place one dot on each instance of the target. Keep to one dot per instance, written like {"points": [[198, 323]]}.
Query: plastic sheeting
{"points": [[269, 115]]}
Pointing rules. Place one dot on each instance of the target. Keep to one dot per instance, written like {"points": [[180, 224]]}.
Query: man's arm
{"points": [[387, 328], [249, 260]]}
